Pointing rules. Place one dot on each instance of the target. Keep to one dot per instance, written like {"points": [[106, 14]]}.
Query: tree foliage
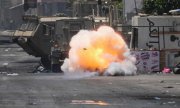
{"points": [[119, 4], [160, 6]]}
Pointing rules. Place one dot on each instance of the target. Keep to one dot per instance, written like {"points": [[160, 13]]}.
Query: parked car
{"points": [[176, 69]]}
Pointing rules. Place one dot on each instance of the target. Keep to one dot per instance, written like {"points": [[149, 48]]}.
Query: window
{"points": [[28, 26]]}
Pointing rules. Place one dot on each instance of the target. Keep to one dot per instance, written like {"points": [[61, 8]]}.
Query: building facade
{"points": [[4, 13], [11, 11]]}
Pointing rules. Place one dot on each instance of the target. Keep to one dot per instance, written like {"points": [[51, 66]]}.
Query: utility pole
{"points": [[99, 6], [124, 11], [0, 11], [135, 7], [111, 13]]}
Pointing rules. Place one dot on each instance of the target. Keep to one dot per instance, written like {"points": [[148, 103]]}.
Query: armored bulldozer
{"points": [[49, 37]]}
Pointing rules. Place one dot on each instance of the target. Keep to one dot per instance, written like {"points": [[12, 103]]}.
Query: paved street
{"points": [[21, 89]]}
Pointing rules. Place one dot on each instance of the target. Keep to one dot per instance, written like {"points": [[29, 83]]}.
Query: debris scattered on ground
{"points": [[157, 98], [89, 102], [7, 49], [166, 70], [32, 103], [177, 83], [12, 74], [171, 102], [162, 81], [169, 87], [3, 72], [5, 64], [164, 103], [20, 49], [40, 69], [8, 55]]}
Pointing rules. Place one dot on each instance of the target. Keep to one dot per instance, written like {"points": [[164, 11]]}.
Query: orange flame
{"points": [[105, 47]]}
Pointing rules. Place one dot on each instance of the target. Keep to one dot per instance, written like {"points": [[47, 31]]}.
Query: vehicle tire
{"points": [[46, 63], [176, 71], [56, 68]]}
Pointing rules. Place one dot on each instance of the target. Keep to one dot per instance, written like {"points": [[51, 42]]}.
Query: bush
{"points": [[160, 6]]}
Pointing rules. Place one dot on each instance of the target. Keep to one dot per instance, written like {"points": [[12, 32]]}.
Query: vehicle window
{"points": [[31, 26], [28, 26], [23, 27], [178, 65], [75, 26], [46, 30]]}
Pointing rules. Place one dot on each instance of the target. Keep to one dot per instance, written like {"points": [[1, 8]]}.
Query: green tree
{"points": [[118, 3], [149, 6], [160, 6]]}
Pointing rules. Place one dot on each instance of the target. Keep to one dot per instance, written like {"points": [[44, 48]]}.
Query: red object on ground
{"points": [[166, 70]]}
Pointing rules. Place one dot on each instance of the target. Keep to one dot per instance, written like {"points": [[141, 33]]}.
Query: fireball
{"points": [[94, 51]]}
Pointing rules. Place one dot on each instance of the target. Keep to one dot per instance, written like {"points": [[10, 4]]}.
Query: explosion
{"points": [[103, 51]]}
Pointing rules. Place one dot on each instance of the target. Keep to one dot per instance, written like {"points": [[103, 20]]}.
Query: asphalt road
{"points": [[21, 89]]}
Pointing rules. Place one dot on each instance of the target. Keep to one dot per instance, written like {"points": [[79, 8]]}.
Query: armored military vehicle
{"points": [[49, 37]]}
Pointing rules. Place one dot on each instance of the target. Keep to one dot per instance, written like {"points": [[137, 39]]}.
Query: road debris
{"points": [[166, 70], [32, 103], [89, 102], [12, 74], [162, 81], [5, 64], [168, 87], [3, 72], [7, 49], [177, 83], [171, 102], [40, 68], [8, 55], [157, 98]]}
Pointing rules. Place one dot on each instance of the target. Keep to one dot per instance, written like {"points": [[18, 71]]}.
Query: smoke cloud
{"points": [[103, 51]]}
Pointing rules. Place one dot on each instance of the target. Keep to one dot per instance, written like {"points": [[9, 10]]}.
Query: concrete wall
{"points": [[15, 17], [165, 41], [46, 8], [4, 13]]}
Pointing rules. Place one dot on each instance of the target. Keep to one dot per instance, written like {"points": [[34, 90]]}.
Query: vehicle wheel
{"points": [[46, 63], [177, 71], [56, 68]]}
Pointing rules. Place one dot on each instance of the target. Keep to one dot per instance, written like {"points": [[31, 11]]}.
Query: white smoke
{"points": [[126, 67], [84, 39]]}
